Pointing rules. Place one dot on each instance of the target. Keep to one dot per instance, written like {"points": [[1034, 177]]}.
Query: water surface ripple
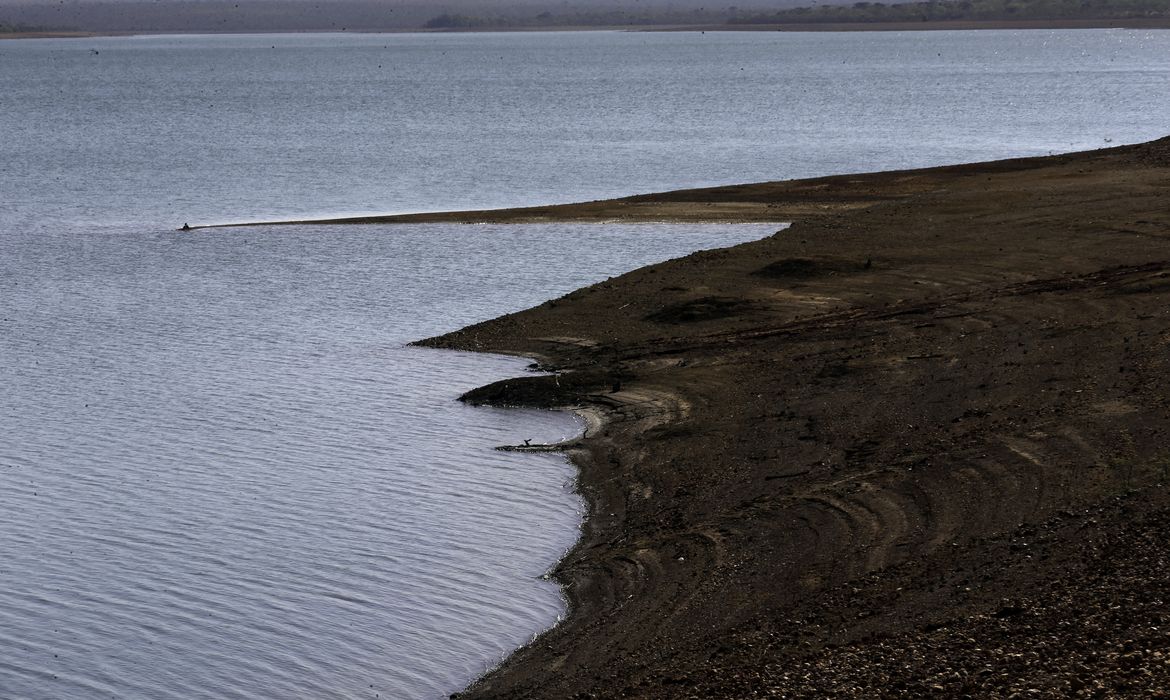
{"points": [[243, 128], [224, 475]]}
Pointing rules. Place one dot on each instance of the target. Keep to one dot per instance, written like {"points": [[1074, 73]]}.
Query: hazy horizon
{"points": [[303, 15]]}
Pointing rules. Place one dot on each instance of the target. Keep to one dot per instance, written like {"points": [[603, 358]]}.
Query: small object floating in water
{"points": [[186, 227]]}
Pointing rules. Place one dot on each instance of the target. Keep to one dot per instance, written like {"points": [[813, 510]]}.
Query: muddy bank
{"points": [[915, 444]]}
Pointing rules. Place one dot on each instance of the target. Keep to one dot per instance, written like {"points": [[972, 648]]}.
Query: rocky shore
{"points": [[913, 445]]}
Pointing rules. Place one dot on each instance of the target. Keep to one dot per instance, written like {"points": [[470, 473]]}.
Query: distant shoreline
{"points": [[54, 35], [958, 25], [1159, 23]]}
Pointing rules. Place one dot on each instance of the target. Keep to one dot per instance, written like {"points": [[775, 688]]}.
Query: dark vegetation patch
{"points": [[833, 370], [808, 268], [702, 309], [966, 11], [546, 391]]}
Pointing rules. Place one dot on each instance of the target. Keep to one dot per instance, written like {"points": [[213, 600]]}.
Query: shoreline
{"points": [[893, 448], [772, 202], [49, 34], [948, 25], [935, 25]]}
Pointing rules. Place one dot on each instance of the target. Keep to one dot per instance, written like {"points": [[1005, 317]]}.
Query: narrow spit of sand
{"points": [[914, 445]]}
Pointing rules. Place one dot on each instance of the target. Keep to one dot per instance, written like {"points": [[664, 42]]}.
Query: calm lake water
{"points": [[222, 472]]}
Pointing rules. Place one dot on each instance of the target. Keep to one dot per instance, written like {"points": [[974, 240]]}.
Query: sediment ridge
{"points": [[913, 445]]}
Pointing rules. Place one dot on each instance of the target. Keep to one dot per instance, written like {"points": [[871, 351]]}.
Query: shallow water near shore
{"points": [[223, 471], [224, 475]]}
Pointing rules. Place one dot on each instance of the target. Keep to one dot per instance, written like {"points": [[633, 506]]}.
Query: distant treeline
{"points": [[19, 28], [454, 15], [965, 10], [363, 15], [606, 18]]}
